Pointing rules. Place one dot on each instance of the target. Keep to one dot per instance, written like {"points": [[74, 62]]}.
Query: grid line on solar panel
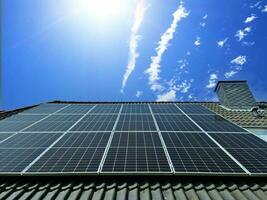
{"points": [[132, 122], [182, 139], [135, 109], [239, 140], [175, 123], [59, 160], [5, 136], [30, 140], [18, 122], [215, 123], [254, 159], [106, 109], [54, 123], [97, 122], [202, 160], [44, 109], [195, 109], [164, 109], [15, 160], [79, 109]]}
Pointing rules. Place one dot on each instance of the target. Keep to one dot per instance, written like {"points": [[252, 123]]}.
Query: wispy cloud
{"points": [[238, 63], [230, 74], [240, 60], [197, 41], [203, 24], [133, 54], [182, 63], [138, 94], [222, 42], [184, 86], [240, 34], [250, 18], [212, 81], [154, 68], [264, 9], [248, 44]]}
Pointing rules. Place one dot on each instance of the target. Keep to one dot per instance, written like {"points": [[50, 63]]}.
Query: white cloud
{"points": [[222, 42], [250, 18], [184, 86], [168, 96], [240, 60], [205, 16], [203, 24], [230, 74], [138, 93], [182, 63], [197, 42], [212, 81], [264, 9], [154, 68], [133, 54], [240, 34], [256, 5], [249, 44]]}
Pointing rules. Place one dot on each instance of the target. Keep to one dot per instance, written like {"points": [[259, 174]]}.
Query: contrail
{"points": [[154, 69], [133, 54]]}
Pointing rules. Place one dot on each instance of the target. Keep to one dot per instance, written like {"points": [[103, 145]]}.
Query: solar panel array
{"points": [[128, 138]]}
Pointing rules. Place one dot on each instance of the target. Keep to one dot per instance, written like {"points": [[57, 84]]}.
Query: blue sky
{"points": [[78, 50]]}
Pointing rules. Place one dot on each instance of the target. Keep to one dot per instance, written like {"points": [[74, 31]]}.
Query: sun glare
{"points": [[100, 9]]}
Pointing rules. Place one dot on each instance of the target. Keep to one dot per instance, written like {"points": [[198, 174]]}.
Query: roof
{"points": [[130, 188], [233, 81], [143, 188]]}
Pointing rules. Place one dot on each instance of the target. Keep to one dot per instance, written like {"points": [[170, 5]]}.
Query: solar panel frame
{"points": [[5, 136]]}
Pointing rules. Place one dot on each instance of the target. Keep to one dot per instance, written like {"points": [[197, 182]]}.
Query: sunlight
{"points": [[99, 9]]}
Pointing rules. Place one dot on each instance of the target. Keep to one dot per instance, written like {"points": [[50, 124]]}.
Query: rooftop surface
{"points": [[146, 187]]}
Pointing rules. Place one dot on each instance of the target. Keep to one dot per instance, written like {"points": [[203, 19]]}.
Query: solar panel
{"points": [[135, 122], [215, 123], [247, 148], [202, 160], [75, 152], [196, 152], [84, 139], [136, 152], [239, 140], [18, 122], [30, 140], [76, 109], [187, 139], [15, 160], [69, 160], [4, 136], [194, 109], [135, 109], [106, 109], [175, 123], [95, 122], [165, 108], [254, 159], [44, 109], [54, 123]]}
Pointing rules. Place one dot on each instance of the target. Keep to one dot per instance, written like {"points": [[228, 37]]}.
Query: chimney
{"points": [[235, 94]]}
